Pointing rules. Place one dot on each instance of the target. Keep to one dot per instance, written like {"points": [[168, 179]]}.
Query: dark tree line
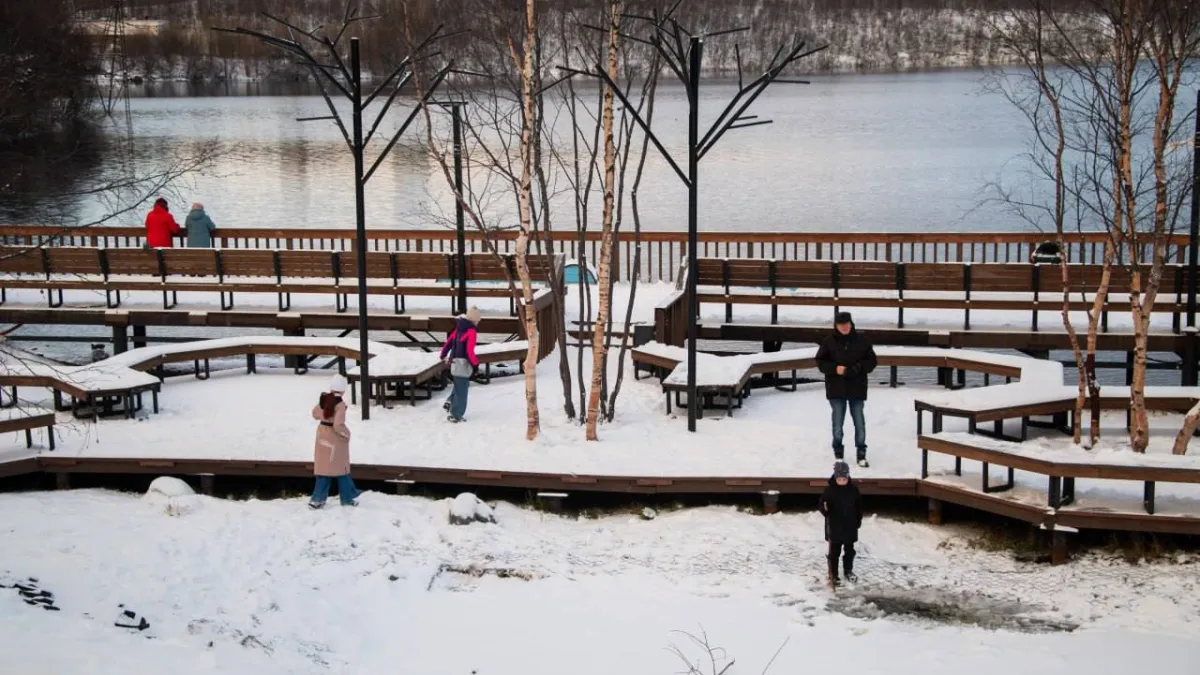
{"points": [[865, 34], [45, 70]]}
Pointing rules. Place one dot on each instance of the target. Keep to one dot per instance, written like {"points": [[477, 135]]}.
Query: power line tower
{"points": [[114, 84]]}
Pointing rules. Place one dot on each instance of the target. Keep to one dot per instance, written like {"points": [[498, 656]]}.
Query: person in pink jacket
{"points": [[331, 454], [459, 355]]}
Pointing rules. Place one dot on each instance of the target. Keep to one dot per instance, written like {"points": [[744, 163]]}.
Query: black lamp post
{"points": [[456, 117], [668, 39], [1190, 366], [347, 80]]}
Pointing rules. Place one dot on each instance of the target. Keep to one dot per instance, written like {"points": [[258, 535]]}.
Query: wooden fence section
{"points": [[660, 252]]}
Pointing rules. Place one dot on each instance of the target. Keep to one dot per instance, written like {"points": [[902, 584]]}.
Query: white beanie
{"points": [[337, 384]]}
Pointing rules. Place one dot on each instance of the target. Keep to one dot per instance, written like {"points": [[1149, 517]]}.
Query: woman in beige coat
{"points": [[331, 455]]}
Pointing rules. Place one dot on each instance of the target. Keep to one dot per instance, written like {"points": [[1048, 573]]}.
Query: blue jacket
{"points": [[199, 229]]}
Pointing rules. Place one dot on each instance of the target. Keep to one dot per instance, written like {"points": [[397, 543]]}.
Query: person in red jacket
{"points": [[161, 226]]}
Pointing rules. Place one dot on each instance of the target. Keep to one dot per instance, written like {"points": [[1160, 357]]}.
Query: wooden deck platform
{"points": [[63, 468]]}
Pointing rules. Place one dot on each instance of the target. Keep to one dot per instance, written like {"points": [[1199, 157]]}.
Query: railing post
{"points": [[1189, 356]]}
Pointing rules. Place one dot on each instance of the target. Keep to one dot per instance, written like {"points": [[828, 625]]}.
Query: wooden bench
{"points": [[1024, 401], [400, 374], [392, 376], [15, 418], [501, 352], [200, 353], [123, 377], [95, 390], [949, 286], [278, 272], [1061, 466], [729, 376]]}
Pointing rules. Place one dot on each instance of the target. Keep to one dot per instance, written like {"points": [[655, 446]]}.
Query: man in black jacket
{"points": [[842, 505], [846, 358]]}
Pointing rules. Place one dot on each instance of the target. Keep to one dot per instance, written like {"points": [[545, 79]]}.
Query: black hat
{"points": [[843, 317], [841, 470]]}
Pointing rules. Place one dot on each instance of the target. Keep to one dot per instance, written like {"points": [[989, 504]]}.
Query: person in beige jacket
{"points": [[331, 455]]}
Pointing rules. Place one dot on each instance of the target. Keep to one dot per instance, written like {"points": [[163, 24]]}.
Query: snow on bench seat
{"points": [[1036, 393], [495, 349], [711, 371], [724, 367], [1068, 453], [94, 378], [136, 357], [397, 362], [1122, 392], [14, 414], [401, 362], [982, 399]]}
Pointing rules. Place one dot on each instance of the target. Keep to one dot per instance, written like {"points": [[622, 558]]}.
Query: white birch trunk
{"points": [[604, 271]]}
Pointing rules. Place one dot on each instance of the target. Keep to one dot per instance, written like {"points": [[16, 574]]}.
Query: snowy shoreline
{"points": [[270, 587]]}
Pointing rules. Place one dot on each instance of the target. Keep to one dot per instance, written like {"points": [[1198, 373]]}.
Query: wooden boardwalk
{"points": [[205, 472]]}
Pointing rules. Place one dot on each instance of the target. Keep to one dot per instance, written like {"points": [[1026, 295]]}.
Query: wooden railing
{"points": [[661, 252]]}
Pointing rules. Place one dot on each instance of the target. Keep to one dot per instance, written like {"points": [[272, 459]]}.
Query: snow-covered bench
{"points": [[400, 372], [996, 286], [200, 352], [1037, 397], [122, 378], [1060, 465], [57, 269], [27, 418], [729, 376], [95, 389]]}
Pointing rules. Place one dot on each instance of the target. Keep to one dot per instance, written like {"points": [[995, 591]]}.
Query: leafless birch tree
{"points": [[1101, 95]]}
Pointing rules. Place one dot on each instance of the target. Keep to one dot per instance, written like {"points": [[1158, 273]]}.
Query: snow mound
{"points": [[467, 508], [170, 487], [173, 496]]}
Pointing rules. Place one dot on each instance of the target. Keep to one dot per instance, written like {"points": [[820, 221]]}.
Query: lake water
{"points": [[909, 152]]}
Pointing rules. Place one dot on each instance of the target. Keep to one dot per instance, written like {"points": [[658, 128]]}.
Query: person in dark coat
{"points": [[842, 505], [846, 358]]}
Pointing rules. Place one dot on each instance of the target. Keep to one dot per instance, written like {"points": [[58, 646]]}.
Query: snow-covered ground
{"points": [[776, 433], [273, 587], [390, 586]]}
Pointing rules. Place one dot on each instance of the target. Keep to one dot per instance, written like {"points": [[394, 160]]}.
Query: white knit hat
{"points": [[337, 384]]}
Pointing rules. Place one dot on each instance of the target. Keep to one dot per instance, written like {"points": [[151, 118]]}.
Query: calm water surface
{"points": [[908, 152]]}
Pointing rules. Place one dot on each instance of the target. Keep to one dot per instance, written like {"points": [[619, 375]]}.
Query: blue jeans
{"points": [[346, 490], [458, 396], [838, 407]]}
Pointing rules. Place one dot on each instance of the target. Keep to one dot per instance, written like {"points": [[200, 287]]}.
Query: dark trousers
{"points": [[835, 551]]}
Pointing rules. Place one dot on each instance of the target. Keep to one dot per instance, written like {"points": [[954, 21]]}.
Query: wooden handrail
{"points": [[660, 252], [567, 236]]}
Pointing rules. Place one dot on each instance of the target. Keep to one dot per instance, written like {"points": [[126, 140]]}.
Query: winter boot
{"points": [[848, 568], [833, 573], [839, 453]]}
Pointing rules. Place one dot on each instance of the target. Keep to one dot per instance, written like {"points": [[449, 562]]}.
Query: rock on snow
{"points": [[467, 508]]}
